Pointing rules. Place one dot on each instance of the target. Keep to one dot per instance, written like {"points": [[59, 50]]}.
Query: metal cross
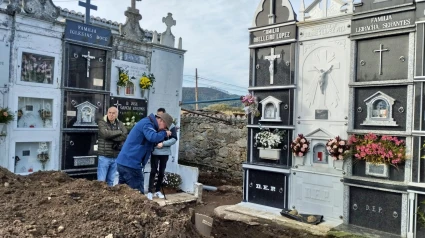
{"points": [[88, 57], [380, 56], [271, 59], [88, 6], [118, 104]]}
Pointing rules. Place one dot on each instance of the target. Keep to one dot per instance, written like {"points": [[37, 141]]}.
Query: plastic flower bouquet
{"points": [[5, 116], [269, 139], [337, 148], [251, 104], [146, 81], [123, 77], [300, 145], [379, 149]]}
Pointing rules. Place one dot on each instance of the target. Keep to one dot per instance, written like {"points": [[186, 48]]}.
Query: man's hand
{"points": [[168, 133], [160, 145]]}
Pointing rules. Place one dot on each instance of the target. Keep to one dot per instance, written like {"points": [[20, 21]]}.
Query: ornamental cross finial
{"points": [[88, 6], [169, 22]]}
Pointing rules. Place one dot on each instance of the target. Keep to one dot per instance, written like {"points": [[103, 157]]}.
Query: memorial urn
{"points": [[338, 164], [268, 153], [144, 93], [118, 90]]}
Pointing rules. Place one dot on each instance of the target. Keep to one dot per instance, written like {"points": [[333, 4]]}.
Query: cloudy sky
{"points": [[214, 32]]}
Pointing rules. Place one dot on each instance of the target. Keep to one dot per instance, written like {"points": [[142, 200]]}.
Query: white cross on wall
{"points": [[117, 104], [88, 57], [271, 59], [380, 56]]}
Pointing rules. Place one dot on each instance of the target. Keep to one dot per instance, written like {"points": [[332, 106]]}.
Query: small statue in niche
{"points": [[269, 111], [380, 109]]}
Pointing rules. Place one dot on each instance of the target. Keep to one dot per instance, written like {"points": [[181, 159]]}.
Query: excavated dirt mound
{"points": [[51, 204]]}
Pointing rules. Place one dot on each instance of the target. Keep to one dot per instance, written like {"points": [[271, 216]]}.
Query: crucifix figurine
{"points": [[88, 6], [322, 78], [88, 57], [380, 56], [271, 59]]}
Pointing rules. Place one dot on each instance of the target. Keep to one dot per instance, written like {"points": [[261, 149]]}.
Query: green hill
{"points": [[204, 94]]}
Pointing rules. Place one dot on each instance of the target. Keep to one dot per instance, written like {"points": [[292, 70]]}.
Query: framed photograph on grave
{"points": [[35, 113], [85, 67], [33, 156], [83, 109], [37, 68]]}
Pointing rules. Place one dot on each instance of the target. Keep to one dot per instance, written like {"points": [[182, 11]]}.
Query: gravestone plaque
{"points": [[128, 107], [285, 107], [83, 109], [383, 58], [267, 188], [384, 22], [375, 209], [85, 33], [4, 63], [134, 58], [398, 93], [275, 35], [321, 114], [79, 150]]}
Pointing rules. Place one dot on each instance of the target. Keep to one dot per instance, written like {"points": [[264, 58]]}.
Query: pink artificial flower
{"points": [[305, 146], [340, 157], [302, 149], [300, 154], [302, 140], [342, 142], [5, 114], [340, 150], [335, 146]]}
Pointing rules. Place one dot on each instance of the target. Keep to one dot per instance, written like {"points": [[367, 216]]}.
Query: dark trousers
{"points": [[132, 177], [162, 160]]}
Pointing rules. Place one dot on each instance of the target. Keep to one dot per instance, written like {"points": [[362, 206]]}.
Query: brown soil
{"points": [[51, 204]]}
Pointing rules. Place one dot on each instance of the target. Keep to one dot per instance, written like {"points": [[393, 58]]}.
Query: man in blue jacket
{"points": [[138, 147]]}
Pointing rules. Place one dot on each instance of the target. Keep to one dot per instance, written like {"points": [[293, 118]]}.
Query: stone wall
{"points": [[214, 145]]}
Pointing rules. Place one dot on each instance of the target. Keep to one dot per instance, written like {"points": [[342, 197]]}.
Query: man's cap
{"points": [[166, 118]]}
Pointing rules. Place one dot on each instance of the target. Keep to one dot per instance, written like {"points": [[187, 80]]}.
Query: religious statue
{"points": [[322, 78], [86, 115]]}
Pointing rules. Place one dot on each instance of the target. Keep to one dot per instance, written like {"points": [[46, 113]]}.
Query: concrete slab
{"points": [[254, 214], [175, 198]]}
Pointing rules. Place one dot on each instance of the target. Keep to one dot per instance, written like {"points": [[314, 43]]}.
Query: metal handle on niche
{"points": [[401, 110], [285, 147], [359, 109], [71, 143], [286, 107]]}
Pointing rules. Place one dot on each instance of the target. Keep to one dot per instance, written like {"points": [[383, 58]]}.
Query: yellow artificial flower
{"points": [[145, 82]]}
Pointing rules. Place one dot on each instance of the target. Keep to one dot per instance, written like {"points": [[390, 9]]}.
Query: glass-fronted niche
{"points": [[36, 67], [34, 112], [33, 156], [86, 67], [83, 109]]}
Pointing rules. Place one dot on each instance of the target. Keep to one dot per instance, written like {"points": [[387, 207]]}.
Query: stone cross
{"points": [[271, 59], [380, 56], [169, 22], [133, 3], [88, 57], [271, 13], [88, 6]]}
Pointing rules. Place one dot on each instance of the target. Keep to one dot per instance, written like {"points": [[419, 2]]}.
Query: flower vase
{"points": [[339, 164], [118, 90], [144, 92], [3, 127], [299, 160]]}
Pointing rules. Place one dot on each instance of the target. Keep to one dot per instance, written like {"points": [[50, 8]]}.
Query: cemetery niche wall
{"points": [[272, 66], [321, 112], [381, 96]]}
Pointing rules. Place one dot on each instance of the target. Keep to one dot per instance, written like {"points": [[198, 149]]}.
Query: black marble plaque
{"points": [[267, 188], [375, 209], [129, 107], [286, 107], [78, 151], [285, 159], [395, 174], [399, 93], [283, 70], [82, 74], [74, 102], [382, 58], [368, 5]]}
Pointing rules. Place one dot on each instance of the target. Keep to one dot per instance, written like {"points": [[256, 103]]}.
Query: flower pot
{"points": [[339, 164], [270, 154], [299, 160], [377, 170]]}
